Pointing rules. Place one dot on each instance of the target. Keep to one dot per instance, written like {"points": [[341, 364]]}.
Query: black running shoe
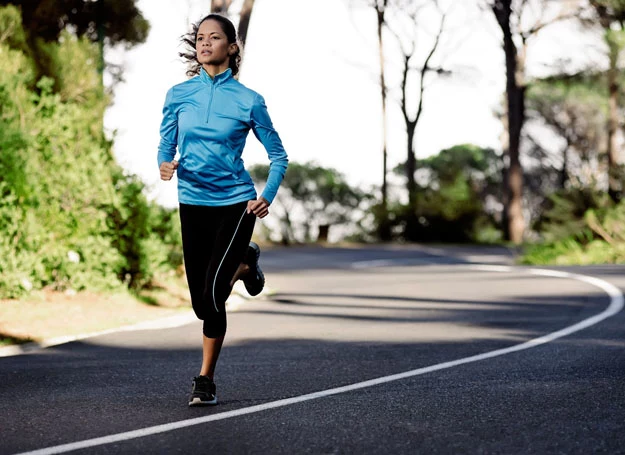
{"points": [[255, 280], [204, 392]]}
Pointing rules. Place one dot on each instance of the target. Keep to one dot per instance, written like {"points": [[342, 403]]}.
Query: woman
{"points": [[207, 118]]}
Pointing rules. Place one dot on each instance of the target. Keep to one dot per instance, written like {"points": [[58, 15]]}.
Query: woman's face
{"points": [[212, 45]]}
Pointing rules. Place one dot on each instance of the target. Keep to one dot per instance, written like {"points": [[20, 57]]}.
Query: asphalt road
{"points": [[381, 350]]}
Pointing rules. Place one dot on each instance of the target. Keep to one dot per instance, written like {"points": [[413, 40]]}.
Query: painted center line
{"points": [[616, 305]]}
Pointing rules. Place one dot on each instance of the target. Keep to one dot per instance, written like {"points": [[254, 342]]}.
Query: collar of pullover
{"points": [[219, 78]]}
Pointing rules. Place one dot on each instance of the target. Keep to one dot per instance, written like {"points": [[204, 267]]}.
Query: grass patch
{"points": [[570, 252]]}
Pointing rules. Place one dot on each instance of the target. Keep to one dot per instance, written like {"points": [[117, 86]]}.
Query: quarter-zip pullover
{"points": [[208, 121]]}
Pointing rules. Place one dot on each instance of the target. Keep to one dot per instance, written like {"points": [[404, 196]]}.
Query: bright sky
{"points": [[316, 64]]}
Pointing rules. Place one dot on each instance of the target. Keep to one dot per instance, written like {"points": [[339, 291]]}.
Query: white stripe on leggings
{"points": [[222, 259]]}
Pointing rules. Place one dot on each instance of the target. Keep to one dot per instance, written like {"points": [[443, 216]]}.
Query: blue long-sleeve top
{"points": [[208, 120]]}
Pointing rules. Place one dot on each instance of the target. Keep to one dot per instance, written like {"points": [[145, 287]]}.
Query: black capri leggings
{"points": [[214, 243]]}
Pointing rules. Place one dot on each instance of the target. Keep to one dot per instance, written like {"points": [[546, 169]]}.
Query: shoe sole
{"points": [[198, 402], [253, 292]]}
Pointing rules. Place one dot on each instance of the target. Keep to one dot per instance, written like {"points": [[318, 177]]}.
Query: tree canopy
{"points": [[120, 20]]}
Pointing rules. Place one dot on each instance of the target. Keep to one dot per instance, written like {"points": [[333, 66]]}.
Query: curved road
{"points": [[398, 350]]}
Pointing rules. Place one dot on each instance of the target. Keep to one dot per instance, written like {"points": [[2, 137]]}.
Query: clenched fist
{"points": [[167, 169], [259, 207]]}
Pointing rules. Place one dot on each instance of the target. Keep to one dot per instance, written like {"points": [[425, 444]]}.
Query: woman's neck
{"points": [[214, 70]]}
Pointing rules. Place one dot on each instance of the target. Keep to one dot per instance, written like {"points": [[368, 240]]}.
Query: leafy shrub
{"points": [[599, 237], [69, 217]]}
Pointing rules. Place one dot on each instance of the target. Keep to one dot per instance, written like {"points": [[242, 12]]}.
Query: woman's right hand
{"points": [[167, 169]]}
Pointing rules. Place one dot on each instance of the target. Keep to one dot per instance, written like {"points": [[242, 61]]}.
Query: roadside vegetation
{"points": [[71, 218]]}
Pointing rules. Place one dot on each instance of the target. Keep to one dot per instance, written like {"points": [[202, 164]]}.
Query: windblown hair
{"points": [[189, 39]]}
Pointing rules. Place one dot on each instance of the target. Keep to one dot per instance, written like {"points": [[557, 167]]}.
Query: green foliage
{"points": [[74, 63], [310, 196], [609, 10], [451, 199], [466, 160], [128, 223], [570, 252], [560, 93], [69, 217], [582, 228], [575, 108], [120, 20], [146, 236], [564, 212], [11, 31], [45, 23], [16, 261]]}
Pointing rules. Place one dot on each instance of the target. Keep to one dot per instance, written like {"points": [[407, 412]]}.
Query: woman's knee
{"points": [[215, 327], [214, 297]]}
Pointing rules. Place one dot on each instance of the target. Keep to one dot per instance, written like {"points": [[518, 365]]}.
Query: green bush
{"points": [[597, 236], [449, 204], [69, 216]]}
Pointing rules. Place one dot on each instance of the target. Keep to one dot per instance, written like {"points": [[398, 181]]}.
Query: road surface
{"points": [[376, 350]]}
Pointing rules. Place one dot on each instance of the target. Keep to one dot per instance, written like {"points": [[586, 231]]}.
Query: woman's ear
{"points": [[234, 47]]}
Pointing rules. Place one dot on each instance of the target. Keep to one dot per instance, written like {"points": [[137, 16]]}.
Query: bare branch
{"points": [[518, 14], [405, 51], [426, 66], [540, 25], [220, 6], [8, 32], [404, 97]]}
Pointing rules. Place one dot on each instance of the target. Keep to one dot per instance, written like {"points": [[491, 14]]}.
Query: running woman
{"points": [[207, 119]]}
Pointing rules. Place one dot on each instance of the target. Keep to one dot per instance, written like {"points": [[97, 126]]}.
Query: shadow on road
{"points": [[88, 389], [304, 342]]}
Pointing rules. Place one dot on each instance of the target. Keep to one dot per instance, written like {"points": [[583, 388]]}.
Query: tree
{"points": [[610, 15], [384, 230], [121, 20], [405, 20], [408, 53], [458, 198], [380, 7], [310, 196], [245, 14], [574, 108], [519, 20], [108, 22]]}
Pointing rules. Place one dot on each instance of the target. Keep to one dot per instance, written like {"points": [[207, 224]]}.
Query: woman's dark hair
{"points": [[190, 56]]}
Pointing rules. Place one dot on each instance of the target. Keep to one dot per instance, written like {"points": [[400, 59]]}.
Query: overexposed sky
{"points": [[316, 64]]}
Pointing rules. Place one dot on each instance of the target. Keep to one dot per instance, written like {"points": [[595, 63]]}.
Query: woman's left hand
{"points": [[259, 207]]}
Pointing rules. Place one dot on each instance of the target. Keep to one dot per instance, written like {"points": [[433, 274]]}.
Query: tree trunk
{"points": [[564, 172], [223, 7], [411, 125], [384, 231], [515, 92], [324, 231], [220, 6], [287, 228], [613, 124], [244, 20], [411, 162], [411, 167]]}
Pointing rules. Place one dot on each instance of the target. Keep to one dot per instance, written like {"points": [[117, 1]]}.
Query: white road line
{"points": [[616, 305], [374, 263]]}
